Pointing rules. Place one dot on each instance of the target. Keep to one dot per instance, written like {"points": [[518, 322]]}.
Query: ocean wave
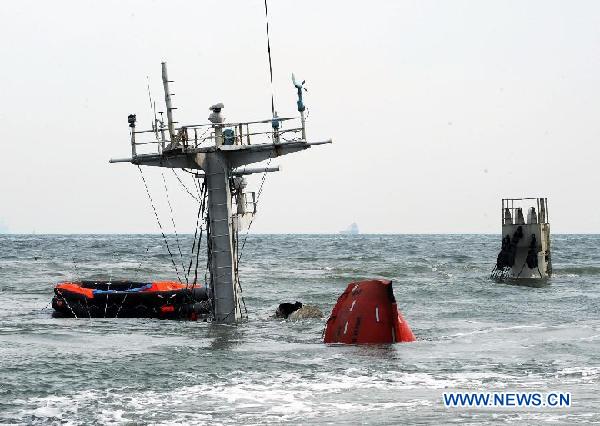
{"points": [[473, 334], [576, 271]]}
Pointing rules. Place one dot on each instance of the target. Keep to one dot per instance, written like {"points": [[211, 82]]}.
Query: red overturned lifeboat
{"points": [[128, 299], [366, 313]]}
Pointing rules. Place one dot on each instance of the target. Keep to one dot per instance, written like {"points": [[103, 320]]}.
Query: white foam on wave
{"points": [[244, 397], [496, 329], [579, 374], [46, 411], [565, 275], [272, 397]]}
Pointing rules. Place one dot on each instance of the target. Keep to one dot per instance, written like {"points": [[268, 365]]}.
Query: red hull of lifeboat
{"points": [[366, 313]]}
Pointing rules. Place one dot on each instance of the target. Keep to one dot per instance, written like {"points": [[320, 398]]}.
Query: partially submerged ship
{"points": [[218, 155], [525, 252]]}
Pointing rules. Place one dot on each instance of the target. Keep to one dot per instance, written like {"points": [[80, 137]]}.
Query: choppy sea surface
{"points": [[473, 335]]}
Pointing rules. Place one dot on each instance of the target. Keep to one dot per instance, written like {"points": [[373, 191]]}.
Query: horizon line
{"points": [[284, 233]]}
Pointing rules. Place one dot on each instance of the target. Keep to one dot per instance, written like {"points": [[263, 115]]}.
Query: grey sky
{"points": [[437, 109]]}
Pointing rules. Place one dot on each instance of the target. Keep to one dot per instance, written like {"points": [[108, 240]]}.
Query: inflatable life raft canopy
{"points": [[366, 313], [128, 299]]}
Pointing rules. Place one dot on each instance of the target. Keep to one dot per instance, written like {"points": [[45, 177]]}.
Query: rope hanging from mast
{"points": [[198, 226], [174, 226], [159, 224], [185, 187], [198, 239]]}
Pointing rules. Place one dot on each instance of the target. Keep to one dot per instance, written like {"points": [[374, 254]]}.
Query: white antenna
{"points": [[301, 107]]}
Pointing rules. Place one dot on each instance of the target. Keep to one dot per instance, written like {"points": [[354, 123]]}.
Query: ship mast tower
{"points": [[221, 159]]}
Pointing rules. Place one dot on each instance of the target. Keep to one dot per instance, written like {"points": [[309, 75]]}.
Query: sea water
{"points": [[473, 334]]}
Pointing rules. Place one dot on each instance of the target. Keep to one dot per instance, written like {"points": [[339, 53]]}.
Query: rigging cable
{"points": [[145, 257], [198, 238], [270, 62], [159, 224], [239, 283], [202, 208], [201, 198], [260, 189], [184, 186], [67, 303], [155, 128], [195, 238], [106, 304], [208, 263], [87, 307], [241, 250], [152, 109], [174, 227]]}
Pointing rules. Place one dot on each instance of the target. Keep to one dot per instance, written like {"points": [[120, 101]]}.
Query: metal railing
{"points": [[249, 202], [512, 207], [193, 136]]}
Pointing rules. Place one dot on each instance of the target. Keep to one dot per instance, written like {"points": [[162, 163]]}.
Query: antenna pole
{"points": [[301, 107], [131, 119], [303, 125], [170, 108], [162, 131]]}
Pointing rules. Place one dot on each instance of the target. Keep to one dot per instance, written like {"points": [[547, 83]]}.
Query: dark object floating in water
{"points": [[366, 313], [285, 309], [297, 311], [525, 253], [127, 299], [306, 312]]}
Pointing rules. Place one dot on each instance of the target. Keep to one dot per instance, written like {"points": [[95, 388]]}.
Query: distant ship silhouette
{"points": [[351, 230]]}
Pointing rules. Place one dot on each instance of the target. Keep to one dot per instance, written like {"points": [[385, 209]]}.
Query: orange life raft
{"points": [[129, 299], [366, 313]]}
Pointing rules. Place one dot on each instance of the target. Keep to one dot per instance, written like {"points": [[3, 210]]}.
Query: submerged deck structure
{"points": [[525, 250], [220, 152]]}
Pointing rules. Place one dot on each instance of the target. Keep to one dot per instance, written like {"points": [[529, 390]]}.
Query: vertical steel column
{"points": [[222, 266]]}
